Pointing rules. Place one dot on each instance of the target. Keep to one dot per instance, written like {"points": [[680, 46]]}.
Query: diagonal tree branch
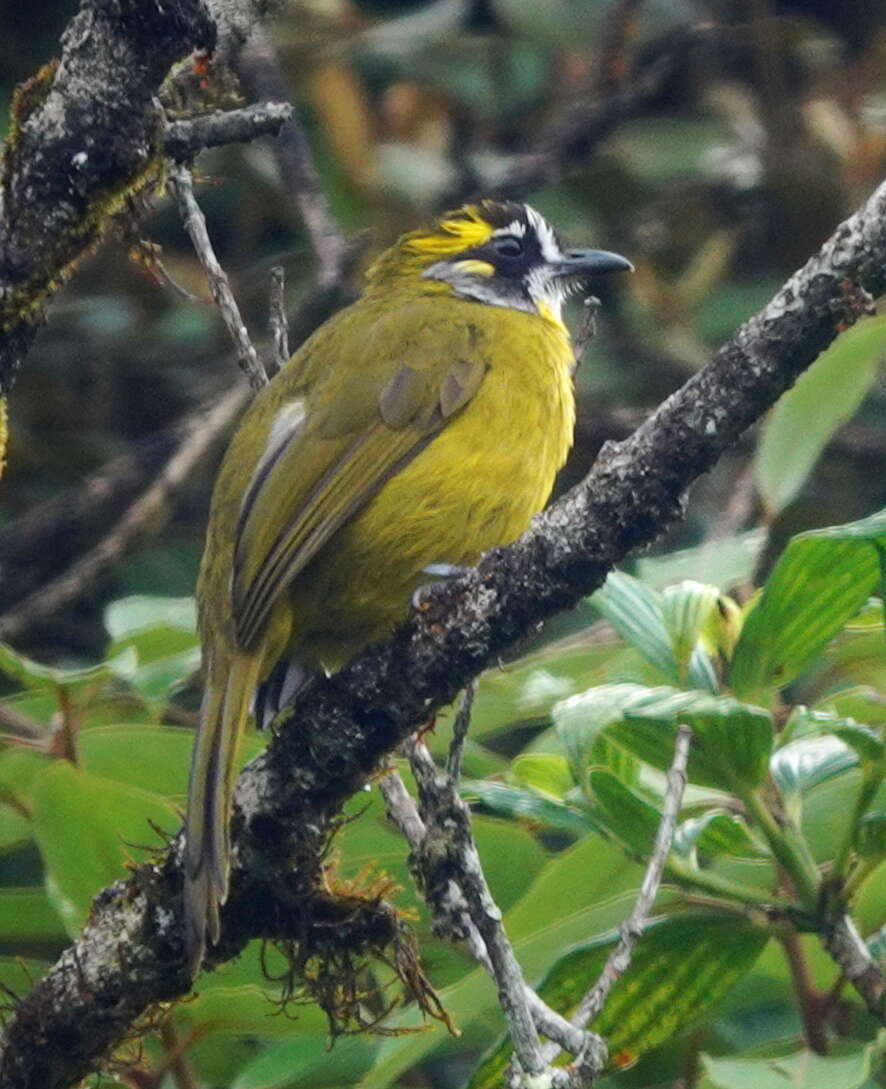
{"points": [[130, 954], [83, 139]]}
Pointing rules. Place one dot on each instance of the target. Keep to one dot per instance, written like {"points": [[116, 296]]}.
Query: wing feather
{"points": [[314, 475]]}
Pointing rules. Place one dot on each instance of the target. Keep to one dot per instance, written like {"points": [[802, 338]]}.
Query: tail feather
{"points": [[229, 691]]}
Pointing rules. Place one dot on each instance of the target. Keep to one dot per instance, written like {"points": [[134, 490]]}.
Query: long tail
{"points": [[229, 689]]}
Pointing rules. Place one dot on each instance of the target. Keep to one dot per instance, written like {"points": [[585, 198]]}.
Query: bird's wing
{"points": [[327, 456]]}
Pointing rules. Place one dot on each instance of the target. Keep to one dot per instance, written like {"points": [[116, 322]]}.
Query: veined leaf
{"points": [[635, 611], [520, 804], [35, 675], [717, 833], [686, 610], [627, 817], [826, 396], [870, 835], [544, 772], [731, 740], [802, 1070], [581, 719], [821, 580], [801, 765], [681, 966]]}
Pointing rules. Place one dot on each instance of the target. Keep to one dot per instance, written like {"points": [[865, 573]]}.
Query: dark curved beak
{"points": [[592, 263]]}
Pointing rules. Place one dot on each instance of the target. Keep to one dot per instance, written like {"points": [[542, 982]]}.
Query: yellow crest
{"points": [[455, 232], [460, 230]]}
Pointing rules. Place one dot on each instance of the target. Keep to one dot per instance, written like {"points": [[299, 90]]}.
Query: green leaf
{"points": [[802, 1070], [723, 564], [26, 915], [87, 829], [867, 741], [821, 580], [15, 828], [306, 1060], [681, 966], [545, 773], [581, 720], [629, 818], [153, 758], [526, 806], [19, 974], [801, 765], [824, 398], [870, 835], [636, 613], [686, 610], [132, 616], [717, 833], [731, 740], [34, 675]]}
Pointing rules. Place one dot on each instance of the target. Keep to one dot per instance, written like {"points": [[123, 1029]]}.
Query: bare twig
{"points": [[587, 330], [261, 76], [279, 330], [632, 929], [182, 188], [460, 731], [184, 139], [439, 797], [451, 917], [199, 432], [849, 950]]}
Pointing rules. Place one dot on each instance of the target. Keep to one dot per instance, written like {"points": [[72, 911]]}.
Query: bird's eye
{"points": [[508, 246]]}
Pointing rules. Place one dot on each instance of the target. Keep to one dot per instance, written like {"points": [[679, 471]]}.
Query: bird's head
{"points": [[498, 253]]}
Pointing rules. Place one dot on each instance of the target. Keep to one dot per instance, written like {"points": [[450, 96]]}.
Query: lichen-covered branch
{"points": [[130, 954], [84, 139], [184, 139]]}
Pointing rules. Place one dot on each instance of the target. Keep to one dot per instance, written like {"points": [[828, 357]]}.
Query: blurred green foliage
{"points": [[767, 130]]}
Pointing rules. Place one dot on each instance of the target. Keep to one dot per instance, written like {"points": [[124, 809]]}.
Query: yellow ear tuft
{"points": [[460, 230], [476, 268]]}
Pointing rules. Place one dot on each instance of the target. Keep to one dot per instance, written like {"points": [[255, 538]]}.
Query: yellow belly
{"points": [[475, 486]]}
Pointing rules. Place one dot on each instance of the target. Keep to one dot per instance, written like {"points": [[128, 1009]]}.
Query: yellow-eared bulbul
{"points": [[419, 427]]}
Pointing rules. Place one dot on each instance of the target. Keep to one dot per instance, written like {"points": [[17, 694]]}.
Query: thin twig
{"points": [[450, 909], [262, 77], [632, 929], [184, 139], [439, 797], [279, 330], [199, 432], [181, 185], [620, 958], [460, 731], [847, 947], [587, 329]]}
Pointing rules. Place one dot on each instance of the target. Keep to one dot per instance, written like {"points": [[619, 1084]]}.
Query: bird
{"points": [[413, 431]]}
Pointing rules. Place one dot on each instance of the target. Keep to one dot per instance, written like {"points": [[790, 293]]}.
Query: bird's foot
{"points": [[441, 573]]}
